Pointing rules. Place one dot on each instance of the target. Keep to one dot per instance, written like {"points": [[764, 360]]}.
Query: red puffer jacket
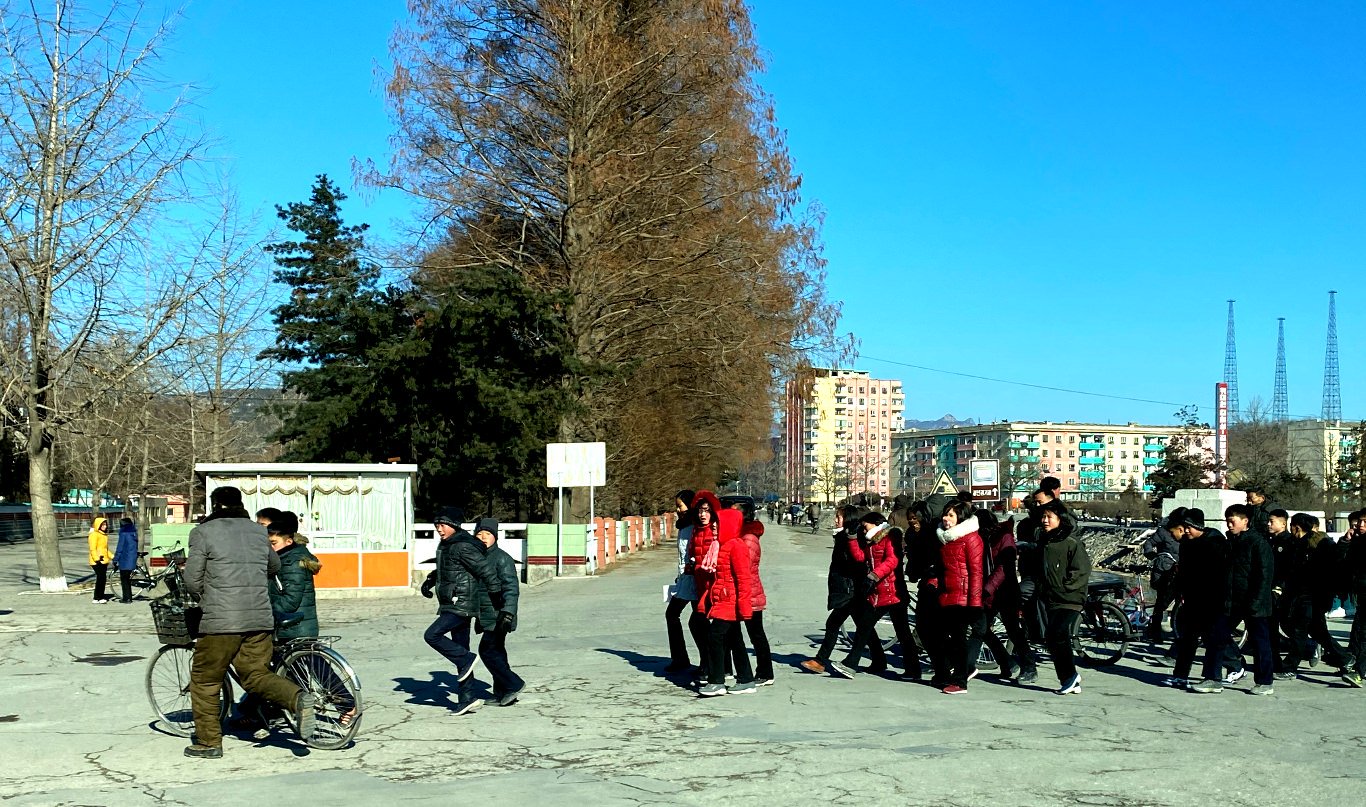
{"points": [[730, 595], [880, 558], [702, 540], [960, 551], [751, 533]]}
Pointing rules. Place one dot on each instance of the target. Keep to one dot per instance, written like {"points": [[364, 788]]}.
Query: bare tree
{"points": [[87, 169]]}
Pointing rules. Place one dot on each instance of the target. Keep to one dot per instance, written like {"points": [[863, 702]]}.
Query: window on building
{"points": [[1124, 455], [1045, 452], [1057, 438], [1123, 440], [1071, 438], [1072, 469], [1071, 453], [1112, 439]]}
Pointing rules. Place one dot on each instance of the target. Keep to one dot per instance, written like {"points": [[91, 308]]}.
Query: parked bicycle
{"points": [[309, 662], [1104, 632]]}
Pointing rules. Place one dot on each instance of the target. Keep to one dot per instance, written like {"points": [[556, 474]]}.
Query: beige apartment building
{"points": [[837, 436], [1317, 446], [1092, 460]]}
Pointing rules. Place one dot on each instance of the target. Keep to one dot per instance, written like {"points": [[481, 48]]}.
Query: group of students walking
{"points": [[968, 570], [718, 578], [1274, 573]]}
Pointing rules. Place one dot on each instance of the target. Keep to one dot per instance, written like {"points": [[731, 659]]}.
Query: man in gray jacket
{"points": [[228, 571]]}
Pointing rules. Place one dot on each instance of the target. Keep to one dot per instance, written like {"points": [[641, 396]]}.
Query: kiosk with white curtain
{"points": [[358, 517]]}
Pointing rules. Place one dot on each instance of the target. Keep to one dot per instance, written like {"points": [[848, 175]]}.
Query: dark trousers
{"points": [[982, 634], [1305, 623], [929, 623], [723, 641], [901, 623], [101, 569], [1165, 597], [1356, 644], [763, 655], [449, 635], [1198, 625], [678, 648], [866, 638], [700, 630], [956, 622], [126, 580], [1259, 642], [833, 623], [249, 654], [1062, 626], [493, 652]]}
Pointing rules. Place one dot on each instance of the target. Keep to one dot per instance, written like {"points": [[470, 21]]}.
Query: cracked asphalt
{"points": [[600, 723]]}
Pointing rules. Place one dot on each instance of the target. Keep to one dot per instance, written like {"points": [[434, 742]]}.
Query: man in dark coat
{"points": [[228, 570], [1202, 584], [1354, 665], [842, 585], [1259, 509], [1251, 571], [1162, 549], [462, 566], [496, 623]]}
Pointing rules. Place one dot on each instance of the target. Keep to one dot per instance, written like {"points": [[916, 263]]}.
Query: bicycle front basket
{"points": [[177, 624]]}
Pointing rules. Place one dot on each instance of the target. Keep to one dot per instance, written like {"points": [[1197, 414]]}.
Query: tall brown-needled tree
{"points": [[86, 166], [622, 152]]}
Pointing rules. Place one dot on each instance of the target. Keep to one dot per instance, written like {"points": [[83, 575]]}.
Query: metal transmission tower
{"points": [[1231, 368], [1280, 404], [1332, 383]]}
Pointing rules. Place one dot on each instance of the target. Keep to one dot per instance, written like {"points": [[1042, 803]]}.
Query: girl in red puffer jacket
{"points": [[960, 592], [870, 547], [752, 531], [724, 594]]}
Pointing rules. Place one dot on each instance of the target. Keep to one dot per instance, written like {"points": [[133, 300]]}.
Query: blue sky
{"points": [[1063, 194]]}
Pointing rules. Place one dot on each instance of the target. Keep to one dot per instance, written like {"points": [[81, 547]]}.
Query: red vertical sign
{"points": [[1221, 430]]}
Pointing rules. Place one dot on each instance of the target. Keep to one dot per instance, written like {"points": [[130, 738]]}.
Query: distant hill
{"points": [[942, 423]]}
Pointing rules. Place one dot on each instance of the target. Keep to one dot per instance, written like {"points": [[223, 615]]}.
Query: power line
{"points": [[1024, 383]]}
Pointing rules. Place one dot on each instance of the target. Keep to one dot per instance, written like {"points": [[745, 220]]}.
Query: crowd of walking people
{"points": [[945, 573]]}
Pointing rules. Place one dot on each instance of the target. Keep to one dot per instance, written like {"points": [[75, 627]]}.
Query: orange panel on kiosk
{"points": [[385, 569], [340, 570]]}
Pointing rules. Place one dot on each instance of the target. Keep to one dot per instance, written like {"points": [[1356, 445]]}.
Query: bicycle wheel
{"points": [[336, 692], [1102, 634], [168, 690]]}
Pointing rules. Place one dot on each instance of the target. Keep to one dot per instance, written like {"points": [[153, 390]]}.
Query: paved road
{"points": [[600, 722]]}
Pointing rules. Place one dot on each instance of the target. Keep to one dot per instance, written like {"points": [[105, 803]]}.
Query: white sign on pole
{"points": [[575, 465], [984, 479]]}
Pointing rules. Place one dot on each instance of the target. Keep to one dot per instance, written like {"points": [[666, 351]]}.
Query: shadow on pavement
{"points": [[436, 692], [652, 664]]}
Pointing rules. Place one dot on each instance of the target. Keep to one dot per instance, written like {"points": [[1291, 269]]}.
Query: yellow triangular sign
{"points": [[944, 484]]}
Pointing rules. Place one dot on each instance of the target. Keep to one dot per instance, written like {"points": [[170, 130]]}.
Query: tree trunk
{"points": [[51, 578]]}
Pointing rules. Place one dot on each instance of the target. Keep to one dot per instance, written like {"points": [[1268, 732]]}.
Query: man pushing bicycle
{"points": [[228, 571]]}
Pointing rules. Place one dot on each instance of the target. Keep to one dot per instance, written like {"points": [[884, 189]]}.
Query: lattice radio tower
{"points": [[1231, 368], [1280, 400], [1332, 383]]}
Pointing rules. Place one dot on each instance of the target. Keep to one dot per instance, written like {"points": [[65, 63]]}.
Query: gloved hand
{"points": [[507, 622], [497, 601], [872, 581], [427, 586]]}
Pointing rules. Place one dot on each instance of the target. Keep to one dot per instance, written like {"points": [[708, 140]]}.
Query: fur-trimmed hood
{"points": [[957, 531]]}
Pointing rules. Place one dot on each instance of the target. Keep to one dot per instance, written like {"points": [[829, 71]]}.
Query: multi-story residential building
{"points": [[1092, 460], [1316, 447], [838, 434]]}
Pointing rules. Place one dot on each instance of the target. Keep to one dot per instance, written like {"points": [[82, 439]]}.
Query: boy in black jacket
{"points": [[1202, 582], [1252, 567]]}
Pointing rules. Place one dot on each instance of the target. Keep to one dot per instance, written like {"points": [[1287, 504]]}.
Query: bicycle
{"points": [[309, 662], [1104, 632]]}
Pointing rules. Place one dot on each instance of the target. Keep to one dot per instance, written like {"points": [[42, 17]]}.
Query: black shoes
{"points": [[509, 698], [465, 707]]}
